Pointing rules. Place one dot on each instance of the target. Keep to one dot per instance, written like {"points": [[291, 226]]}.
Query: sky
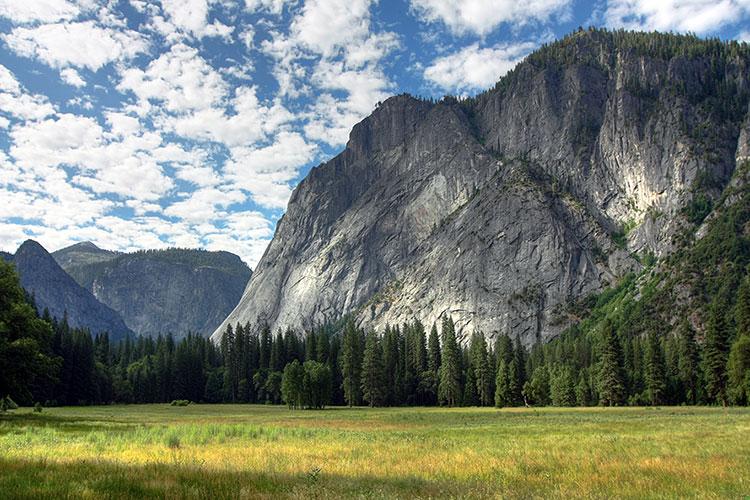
{"points": [[151, 124]]}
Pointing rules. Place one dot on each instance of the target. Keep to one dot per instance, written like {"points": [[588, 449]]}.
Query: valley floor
{"points": [[235, 451]]}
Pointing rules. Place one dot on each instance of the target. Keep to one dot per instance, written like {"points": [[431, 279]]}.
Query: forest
{"points": [[45, 361]]}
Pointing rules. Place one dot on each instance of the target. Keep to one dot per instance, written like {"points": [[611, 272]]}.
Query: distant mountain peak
{"points": [[57, 291], [85, 245]]}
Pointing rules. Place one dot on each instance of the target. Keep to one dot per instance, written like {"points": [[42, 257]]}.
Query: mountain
{"points": [[53, 289], [597, 154], [160, 291], [82, 254]]}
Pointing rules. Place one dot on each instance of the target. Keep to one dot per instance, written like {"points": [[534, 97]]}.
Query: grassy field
{"points": [[235, 451]]}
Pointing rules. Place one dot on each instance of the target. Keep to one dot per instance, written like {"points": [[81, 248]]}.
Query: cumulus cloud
{"points": [[272, 6], [265, 172], [72, 77], [180, 79], [191, 16], [345, 74], [475, 68], [45, 11], [16, 102], [698, 16], [82, 44], [483, 16]]}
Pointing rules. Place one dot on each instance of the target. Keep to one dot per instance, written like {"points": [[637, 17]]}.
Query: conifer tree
{"points": [[716, 349], [562, 386], [610, 378], [738, 369], [449, 388], [351, 364], [654, 370], [480, 365], [502, 389], [373, 371]]}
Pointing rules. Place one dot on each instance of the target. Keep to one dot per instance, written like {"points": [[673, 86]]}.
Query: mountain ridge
{"points": [[622, 130], [53, 289], [177, 291]]}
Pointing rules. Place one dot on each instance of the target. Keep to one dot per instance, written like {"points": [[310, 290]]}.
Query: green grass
{"points": [[242, 451]]}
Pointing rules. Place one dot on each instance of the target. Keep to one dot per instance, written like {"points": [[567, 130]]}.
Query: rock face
{"points": [[500, 209], [160, 291], [56, 291]]}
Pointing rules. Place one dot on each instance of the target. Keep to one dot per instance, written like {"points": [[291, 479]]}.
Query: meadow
{"points": [[250, 451]]}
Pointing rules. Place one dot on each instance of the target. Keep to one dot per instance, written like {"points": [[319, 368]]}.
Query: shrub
{"points": [[38, 408], [180, 402]]}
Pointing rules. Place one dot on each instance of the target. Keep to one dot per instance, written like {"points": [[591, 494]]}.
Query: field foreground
{"points": [[234, 451]]}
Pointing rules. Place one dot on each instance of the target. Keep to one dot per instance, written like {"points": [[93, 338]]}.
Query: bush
{"points": [[180, 402], [38, 408]]}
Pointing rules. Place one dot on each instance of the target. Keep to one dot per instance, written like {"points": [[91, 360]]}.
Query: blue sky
{"points": [[148, 124]]}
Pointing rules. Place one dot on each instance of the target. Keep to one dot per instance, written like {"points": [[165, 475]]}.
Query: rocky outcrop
{"points": [[53, 289], [160, 291], [501, 209]]}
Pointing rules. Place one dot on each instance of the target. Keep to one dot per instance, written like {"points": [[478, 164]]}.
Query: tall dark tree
{"points": [[610, 380], [449, 388], [716, 349], [373, 371], [351, 363], [654, 370]]}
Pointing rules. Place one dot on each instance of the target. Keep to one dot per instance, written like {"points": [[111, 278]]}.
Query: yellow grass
{"points": [[230, 451]]}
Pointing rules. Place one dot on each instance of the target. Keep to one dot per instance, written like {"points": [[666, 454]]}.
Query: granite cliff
{"points": [[592, 155], [176, 291], [53, 289]]}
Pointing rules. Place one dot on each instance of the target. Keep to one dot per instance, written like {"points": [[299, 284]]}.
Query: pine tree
{"points": [[716, 349], [373, 371], [351, 364], [583, 390], [654, 370], [610, 377], [502, 389], [738, 369], [449, 388], [392, 368], [428, 379], [688, 362], [742, 308], [480, 366], [433, 351], [562, 386]]}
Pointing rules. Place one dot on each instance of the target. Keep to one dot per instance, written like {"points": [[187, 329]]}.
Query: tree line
{"points": [[47, 361]]}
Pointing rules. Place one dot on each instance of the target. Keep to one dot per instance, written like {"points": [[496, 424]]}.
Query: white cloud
{"points": [[250, 122], [266, 172], [332, 52], [191, 16], [483, 16], [82, 44], [16, 102], [124, 168], [72, 77], [474, 68], [272, 6], [46, 11], [328, 25], [180, 79], [698, 16], [744, 36], [202, 205]]}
